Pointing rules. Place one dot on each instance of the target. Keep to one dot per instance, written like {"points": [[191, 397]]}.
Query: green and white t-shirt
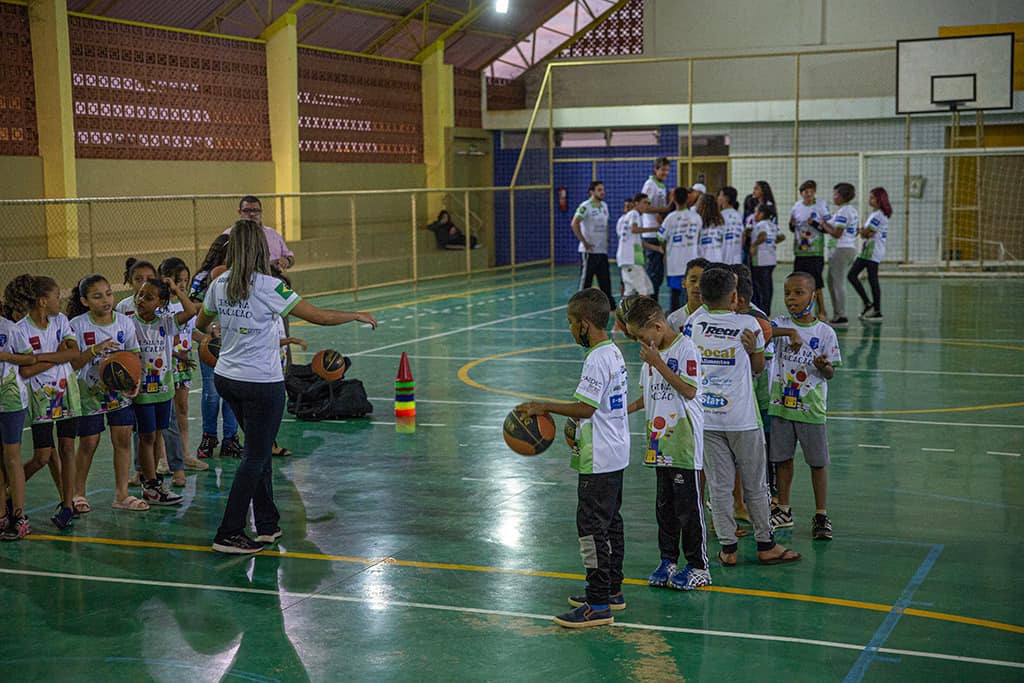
{"points": [[732, 236], [675, 424], [712, 242], [156, 343], [630, 251], [250, 340], [97, 398], [874, 246], [13, 392], [798, 391], [845, 217], [182, 344], [726, 387], [657, 194], [810, 241], [765, 253], [593, 215], [126, 306], [53, 394], [680, 232], [604, 436]]}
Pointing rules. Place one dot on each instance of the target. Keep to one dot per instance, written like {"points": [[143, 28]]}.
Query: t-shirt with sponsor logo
{"points": [[799, 392], [874, 246], [593, 215], [250, 340], [845, 217], [732, 237], [810, 240], [97, 397], [764, 254], [657, 194], [712, 242], [675, 424], [156, 344], [680, 232], [604, 436], [13, 392], [630, 251], [726, 387], [53, 393]]}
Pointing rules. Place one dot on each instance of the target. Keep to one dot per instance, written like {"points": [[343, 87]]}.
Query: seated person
{"points": [[448, 236]]}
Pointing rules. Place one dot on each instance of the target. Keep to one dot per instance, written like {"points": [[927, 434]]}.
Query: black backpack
{"points": [[313, 399]]}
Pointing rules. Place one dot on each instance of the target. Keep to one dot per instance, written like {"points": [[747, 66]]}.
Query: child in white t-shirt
{"points": [[874, 233], [675, 446], [601, 458], [806, 356], [764, 238], [732, 348], [842, 226], [680, 233], [629, 254], [732, 234]]}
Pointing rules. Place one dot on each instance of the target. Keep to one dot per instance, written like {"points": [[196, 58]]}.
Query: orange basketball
{"points": [[121, 371], [329, 365], [217, 272], [209, 351], [766, 329], [528, 435]]}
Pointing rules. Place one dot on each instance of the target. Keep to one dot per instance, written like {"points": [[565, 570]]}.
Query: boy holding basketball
{"points": [[675, 426], [603, 454]]}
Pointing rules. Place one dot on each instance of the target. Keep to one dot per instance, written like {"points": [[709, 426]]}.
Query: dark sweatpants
{"points": [[680, 516], [599, 525]]}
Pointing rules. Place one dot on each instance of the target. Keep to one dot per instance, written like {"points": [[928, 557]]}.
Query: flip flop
{"points": [[81, 505], [725, 563], [740, 533], [789, 555], [283, 453], [132, 504]]}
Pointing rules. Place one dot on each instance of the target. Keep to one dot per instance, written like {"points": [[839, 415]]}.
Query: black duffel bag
{"points": [[312, 398]]}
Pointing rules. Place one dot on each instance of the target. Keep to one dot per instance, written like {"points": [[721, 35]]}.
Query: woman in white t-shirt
{"points": [[732, 235], [841, 226], [247, 300], [874, 232]]}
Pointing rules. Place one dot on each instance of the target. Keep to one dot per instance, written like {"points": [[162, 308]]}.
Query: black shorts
{"points": [[812, 265], [42, 432]]}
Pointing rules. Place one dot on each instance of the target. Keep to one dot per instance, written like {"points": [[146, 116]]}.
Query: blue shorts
{"points": [[12, 425], [675, 281], [91, 425], [150, 417]]}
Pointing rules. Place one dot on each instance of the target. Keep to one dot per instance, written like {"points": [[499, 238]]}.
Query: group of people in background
{"points": [[661, 230], [50, 360]]}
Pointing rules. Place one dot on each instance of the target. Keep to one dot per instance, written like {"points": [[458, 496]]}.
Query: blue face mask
{"points": [[810, 307]]}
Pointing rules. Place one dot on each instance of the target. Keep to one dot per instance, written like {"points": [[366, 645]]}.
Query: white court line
{"points": [[455, 331], [929, 372], [939, 450], [1012, 455], [376, 602], [513, 481], [871, 445], [926, 422]]}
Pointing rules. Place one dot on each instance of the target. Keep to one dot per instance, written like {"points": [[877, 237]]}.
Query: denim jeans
{"points": [[211, 406], [260, 408]]}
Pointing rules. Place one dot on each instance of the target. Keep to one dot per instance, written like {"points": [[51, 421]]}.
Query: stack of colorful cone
{"points": [[405, 398]]}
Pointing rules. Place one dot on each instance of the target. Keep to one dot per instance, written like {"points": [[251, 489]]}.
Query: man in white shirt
{"points": [[590, 225], [654, 188], [251, 209]]}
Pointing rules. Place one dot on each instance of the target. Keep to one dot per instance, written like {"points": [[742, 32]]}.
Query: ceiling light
{"points": [[501, 6]]}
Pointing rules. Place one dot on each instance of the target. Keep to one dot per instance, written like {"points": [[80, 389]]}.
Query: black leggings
{"points": [[860, 264]]}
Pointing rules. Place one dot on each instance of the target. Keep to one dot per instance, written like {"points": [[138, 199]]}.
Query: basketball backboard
{"points": [[965, 73]]}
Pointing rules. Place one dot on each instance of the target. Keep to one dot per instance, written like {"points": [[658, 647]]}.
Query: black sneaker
{"points": [[615, 602], [781, 519], [874, 315], [867, 309], [207, 446], [821, 528], [17, 529], [239, 544], [62, 519], [231, 448], [839, 322], [269, 536]]}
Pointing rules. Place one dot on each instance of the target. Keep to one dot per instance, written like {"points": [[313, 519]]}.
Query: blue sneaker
{"points": [[690, 579], [615, 602], [584, 617], [62, 520], [662, 574]]}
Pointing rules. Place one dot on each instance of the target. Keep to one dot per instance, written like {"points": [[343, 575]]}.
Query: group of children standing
{"points": [[50, 377], [720, 383]]}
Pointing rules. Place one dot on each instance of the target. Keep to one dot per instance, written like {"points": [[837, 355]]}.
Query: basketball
{"points": [[121, 371], [572, 434], [528, 435], [209, 351], [217, 272], [329, 365], [766, 326]]}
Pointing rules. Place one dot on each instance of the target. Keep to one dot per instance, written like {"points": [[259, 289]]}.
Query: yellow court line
{"points": [[442, 297], [750, 592], [463, 374]]}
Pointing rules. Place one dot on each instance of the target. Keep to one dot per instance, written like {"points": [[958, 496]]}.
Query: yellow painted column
{"points": [[51, 69], [438, 119], [283, 100]]}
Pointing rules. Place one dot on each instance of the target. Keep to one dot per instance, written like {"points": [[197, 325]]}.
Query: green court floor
{"points": [[441, 555]]}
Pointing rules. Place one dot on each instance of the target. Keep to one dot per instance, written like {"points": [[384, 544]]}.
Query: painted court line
{"points": [[871, 445], [376, 602], [860, 667], [748, 592], [955, 499], [1012, 455], [50, 506], [939, 450], [987, 425]]}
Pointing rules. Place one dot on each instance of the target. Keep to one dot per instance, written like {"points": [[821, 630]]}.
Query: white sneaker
{"points": [[194, 464], [162, 468]]}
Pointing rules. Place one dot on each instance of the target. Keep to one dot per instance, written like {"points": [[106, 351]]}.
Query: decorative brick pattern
{"points": [[18, 133]]}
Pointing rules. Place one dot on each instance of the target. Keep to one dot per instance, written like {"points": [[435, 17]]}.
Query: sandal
{"points": [[788, 555], [740, 533], [131, 503], [281, 452], [725, 563], [81, 505]]}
